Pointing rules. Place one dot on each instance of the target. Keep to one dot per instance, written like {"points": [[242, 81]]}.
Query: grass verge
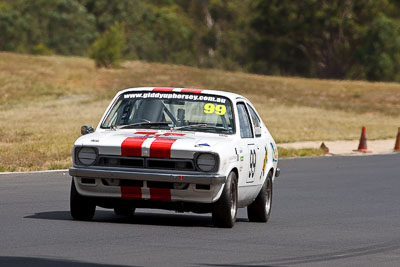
{"points": [[303, 152]]}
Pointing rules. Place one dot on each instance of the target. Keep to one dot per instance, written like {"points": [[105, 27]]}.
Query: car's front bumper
{"points": [[149, 175], [191, 193]]}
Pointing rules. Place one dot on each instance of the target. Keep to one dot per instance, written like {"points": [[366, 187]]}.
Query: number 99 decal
{"points": [[217, 109]]}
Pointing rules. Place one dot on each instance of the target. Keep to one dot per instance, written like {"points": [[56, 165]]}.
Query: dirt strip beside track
{"points": [[346, 147]]}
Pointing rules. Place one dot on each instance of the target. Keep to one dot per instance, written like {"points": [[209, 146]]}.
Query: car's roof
{"points": [[229, 95]]}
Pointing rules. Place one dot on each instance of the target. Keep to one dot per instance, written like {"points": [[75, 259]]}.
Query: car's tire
{"points": [[124, 211], [260, 209], [224, 211], [82, 208]]}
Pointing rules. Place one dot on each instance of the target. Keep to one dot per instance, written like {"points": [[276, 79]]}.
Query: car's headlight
{"points": [[207, 162], [87, 156]]}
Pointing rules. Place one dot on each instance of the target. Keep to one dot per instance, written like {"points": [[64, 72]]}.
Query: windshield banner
{"points": [[192, 97]]}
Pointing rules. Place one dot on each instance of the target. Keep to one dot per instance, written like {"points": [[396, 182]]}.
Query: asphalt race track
{"points": [[329, 211]]}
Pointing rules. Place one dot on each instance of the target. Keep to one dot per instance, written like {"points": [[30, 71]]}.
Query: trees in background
{"points": [[380, 50], [63, 26], [221, 31], [154, 31], [327, 39], [352, 39]]}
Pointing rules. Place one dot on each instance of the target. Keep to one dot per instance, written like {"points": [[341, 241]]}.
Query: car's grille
{"points": [[121, 162], [151, 163]]}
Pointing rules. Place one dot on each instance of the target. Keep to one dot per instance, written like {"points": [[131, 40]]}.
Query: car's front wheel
{"points": [[260, 209], [82, 208], [225, 209]]}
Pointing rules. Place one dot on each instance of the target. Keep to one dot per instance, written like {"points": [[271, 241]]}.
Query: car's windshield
{"points": [[183, 111]]}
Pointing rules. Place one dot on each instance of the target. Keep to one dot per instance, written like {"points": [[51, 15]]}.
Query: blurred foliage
{"points": [[335, 39], [63, 26], [107, 49], [316, 38], [13, 29], [380, 50], [41, 49]]}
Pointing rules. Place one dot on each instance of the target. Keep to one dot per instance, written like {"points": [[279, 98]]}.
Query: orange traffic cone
{"points": [[362, 147], [397, 145]]}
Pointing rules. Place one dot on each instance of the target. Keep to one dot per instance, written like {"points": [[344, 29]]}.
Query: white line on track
{"points": [[48, 171]]}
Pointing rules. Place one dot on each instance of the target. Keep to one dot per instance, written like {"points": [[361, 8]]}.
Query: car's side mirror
{"points": [[86, 129]]}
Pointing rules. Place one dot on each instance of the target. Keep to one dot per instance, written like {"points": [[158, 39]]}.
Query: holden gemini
{"points": [[187, 150]]}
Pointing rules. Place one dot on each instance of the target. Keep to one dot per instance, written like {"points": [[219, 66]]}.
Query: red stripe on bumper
{"points": [[132, 146], [131, 192], [160, 194], [197, 91], [161, 148], [163, 89]]}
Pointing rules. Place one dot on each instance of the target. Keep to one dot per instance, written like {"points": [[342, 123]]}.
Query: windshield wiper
{"points": [[203, 125], [150, 123]]}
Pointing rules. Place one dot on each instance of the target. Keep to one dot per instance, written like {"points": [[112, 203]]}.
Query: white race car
{"points": [[177, 149]]}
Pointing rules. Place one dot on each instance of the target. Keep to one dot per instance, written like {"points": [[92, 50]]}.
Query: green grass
{"points": [[303, 152], [45, 99]]}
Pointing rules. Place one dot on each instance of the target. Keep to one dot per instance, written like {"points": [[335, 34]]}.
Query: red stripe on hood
{"points": [[132, 146], [131, 192], [173, 134], [157, 134], [196, 91], [161, 148], [163, 89], [160, 194], [146, 133]]}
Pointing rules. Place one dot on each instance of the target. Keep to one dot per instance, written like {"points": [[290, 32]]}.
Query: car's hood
{"points": [[152, 143]]}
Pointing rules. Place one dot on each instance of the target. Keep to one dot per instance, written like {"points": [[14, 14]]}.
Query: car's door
{"points": [[260, 142], [249, 144]]}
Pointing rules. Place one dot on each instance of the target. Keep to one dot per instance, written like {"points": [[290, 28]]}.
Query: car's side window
{"points": [[256, 121], [246, 130]]}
